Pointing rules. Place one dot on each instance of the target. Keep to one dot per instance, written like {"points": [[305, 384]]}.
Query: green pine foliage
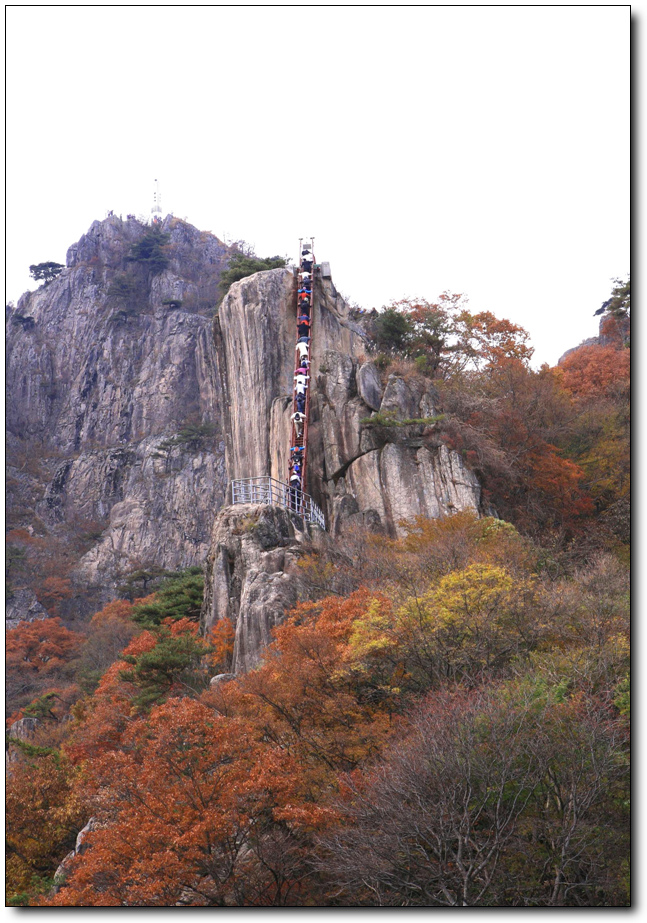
{"points": [[190, 437], [179, 597], [45, 272], [150, 251], [242, 265], [393, 331], [173, 664]]}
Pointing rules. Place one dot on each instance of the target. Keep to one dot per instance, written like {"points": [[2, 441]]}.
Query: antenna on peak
{"points": [[156, 208]]}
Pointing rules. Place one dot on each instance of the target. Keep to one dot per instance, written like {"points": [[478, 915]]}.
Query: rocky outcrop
{"points": [[132, 403], [361, 472], [80, 846], [254, 334], [383, 461], [22, 730], [612, 331], [252, 575], [107, 365], [374, 458], [22, 606]]}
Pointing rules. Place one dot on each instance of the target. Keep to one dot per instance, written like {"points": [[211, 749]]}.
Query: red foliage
{"points": [[196, 811], [221, 640], [40, 646], [596, 371], [52, 591], [104, 717], [118, 610], [302, 698]]}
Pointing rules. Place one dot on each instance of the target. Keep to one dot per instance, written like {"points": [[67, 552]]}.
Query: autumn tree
{"points": [[169, 661], [109, 632], [509, 422], [38, 654], [598, 380], [445, 338], [468, 627], [52, 591], [200, 815], [301, 699], [45, 809], [488, 802]]}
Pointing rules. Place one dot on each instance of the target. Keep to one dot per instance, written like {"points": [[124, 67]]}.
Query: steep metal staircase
{"points": [[291, 495]]}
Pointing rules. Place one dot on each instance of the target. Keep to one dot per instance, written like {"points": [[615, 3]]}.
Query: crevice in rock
{"points": [[340, 473]]}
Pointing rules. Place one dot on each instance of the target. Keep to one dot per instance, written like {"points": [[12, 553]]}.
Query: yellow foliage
{"points": [[475, 619]]}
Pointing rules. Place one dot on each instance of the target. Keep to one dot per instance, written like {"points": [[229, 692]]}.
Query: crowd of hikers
{"points": [[298, 440]]}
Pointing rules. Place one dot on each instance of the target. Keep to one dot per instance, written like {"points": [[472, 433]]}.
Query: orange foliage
{"points": [[117, 609], [559, 480], [615, 330], [41, 646], [596, 371], [221, 640], [193, 809], [301, 698], [52, 591], [104, 717], [181, 626], [45, 809]]}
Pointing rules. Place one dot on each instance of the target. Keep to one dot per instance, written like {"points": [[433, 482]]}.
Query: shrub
{"points": [[179, 597], [45, 272], [192, 436], [149, 251], [241, 265]]}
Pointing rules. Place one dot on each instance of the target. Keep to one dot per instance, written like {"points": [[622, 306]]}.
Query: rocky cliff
{"points": [[252, 574], [374, 458], [115, 438], [132, 403]]}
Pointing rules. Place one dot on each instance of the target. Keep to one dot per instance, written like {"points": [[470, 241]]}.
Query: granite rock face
{"points": [[255, 341], [22, 606], [106, 365], [374, 456], [376, 473], [388, 464], [252, 577]]}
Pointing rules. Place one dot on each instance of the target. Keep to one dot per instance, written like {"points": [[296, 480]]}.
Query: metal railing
{"points": [[275, 493]]}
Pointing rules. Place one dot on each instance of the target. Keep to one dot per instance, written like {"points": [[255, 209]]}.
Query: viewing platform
{"points": [[275, 493]]}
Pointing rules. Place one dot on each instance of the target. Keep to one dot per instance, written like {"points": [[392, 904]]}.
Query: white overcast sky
{"points": [[482, 150]]}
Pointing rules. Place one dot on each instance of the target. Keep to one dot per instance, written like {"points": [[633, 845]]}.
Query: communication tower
{"points": [[156, 208]]}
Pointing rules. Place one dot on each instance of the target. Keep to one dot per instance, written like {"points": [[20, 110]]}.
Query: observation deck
{"points": [[275, 493]]}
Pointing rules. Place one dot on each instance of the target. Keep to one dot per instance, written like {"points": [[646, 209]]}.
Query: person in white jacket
{"points": [[301, 383]]}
